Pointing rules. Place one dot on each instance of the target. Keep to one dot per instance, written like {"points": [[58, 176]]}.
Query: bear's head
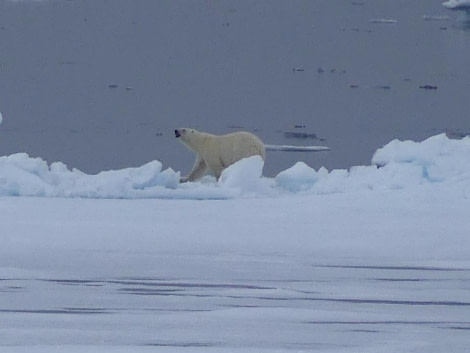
{"points": [[189, 137], [183, 133]]}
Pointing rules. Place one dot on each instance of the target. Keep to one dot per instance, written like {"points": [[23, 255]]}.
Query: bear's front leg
{"points": [[198, 171]]}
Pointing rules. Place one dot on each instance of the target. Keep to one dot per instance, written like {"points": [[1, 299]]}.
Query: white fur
{"points": [[214, 153]]}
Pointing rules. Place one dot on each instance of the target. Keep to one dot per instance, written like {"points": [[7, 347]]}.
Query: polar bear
{"points": [[214, 153]]}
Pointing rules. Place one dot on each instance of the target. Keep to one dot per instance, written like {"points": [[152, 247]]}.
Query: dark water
{"points": [[102, 84]]}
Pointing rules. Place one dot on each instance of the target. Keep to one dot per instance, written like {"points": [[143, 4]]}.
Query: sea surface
{"points": [[102, 84]]}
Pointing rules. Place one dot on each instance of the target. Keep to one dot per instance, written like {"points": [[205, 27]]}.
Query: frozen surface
{"points": [[362, 260], [397, 165]]}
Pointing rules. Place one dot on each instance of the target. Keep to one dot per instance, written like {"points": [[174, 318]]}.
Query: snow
{"points": [[371, 259], [21, 175], [399, 164]]}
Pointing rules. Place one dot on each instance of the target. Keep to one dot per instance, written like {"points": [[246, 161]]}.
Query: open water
{"points": [[102, 84]]}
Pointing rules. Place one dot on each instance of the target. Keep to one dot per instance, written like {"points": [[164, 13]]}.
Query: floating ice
{"points": [[435, 18], [397, 165], [438, 157], [293, 148], [245, 176], [457, 4], [21, 175], [300, 177], [383, 21]]}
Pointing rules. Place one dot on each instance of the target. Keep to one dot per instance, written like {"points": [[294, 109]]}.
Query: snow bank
{"points": [[438, 158], [21, 175], [246, 177], [398, 165]]}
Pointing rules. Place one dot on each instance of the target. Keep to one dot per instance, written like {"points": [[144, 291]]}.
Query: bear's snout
{"points": [[177, 133]]}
